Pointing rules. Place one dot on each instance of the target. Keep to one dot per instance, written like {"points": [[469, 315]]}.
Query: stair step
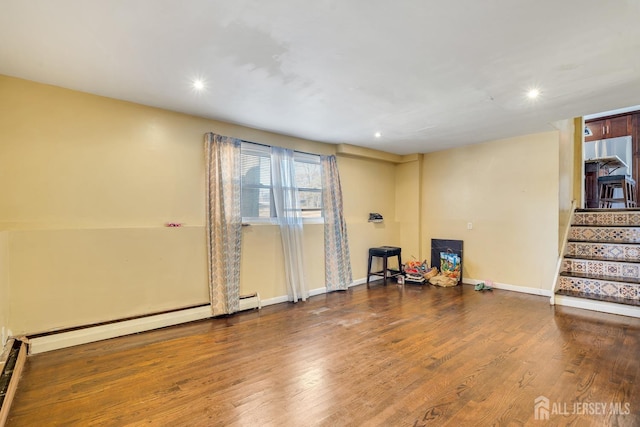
{"points": [[599, 258], [602, 268], [605, 225], [629, 217], [601, 234], [600, 287], [602, 277], [617, 300], [606, 210], [609, 251]]}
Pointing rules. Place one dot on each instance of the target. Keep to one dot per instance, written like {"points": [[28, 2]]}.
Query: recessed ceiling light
{"points": [[377, 135], [533, 93], [198, 84]]}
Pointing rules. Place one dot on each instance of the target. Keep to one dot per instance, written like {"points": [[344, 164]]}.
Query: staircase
{"points": [[601, 266]]}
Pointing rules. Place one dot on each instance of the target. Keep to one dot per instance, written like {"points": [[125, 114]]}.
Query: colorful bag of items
{"points": [[414, 271], [451, 268], [418, 272]]}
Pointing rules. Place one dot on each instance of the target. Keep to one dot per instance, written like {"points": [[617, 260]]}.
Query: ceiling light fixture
{"points": [[533, 93], [377, 135], [198, 84]]}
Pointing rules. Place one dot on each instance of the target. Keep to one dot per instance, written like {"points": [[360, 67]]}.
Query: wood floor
{"points": [[385, 356]]}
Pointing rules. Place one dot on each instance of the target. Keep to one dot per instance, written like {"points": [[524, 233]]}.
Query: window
{"points": [[257, 196], [309, 183]]}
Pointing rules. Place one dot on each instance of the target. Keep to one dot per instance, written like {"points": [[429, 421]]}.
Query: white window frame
{"points": [[265, 151]]}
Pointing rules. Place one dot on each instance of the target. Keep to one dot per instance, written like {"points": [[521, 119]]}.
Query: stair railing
{"points": [[563, 250]]}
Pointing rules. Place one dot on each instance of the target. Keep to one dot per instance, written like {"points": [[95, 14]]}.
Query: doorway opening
{"points": [[611, 156]]}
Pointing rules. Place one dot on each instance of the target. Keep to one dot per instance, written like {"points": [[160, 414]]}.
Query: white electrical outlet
{"points": [[469, 226]]}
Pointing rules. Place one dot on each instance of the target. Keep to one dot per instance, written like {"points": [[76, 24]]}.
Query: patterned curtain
{"points": [[289, 218], [224, 222], [336, 245]]}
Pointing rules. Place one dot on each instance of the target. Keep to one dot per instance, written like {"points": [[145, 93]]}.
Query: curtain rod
{"points": [[267, 145]]}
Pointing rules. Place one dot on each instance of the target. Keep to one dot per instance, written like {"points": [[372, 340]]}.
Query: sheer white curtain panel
{"points": [[289, 218]]}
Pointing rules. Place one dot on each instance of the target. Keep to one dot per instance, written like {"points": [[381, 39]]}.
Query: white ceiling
{"points": [[426, 74]]}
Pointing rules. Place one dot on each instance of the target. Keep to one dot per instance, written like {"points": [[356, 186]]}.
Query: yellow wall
{"points": [[88, 183], [508, 189], [408, 197], [368, 186], [262, 267], [578, 161], [566, 181], [4, 289], [66, 277]]}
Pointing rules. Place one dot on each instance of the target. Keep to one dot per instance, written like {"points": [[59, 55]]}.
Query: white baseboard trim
{"points": [[513, 288], [317, 291], [362, 281], [593, 305], [275, 300], [113, 330], [312, 293]]}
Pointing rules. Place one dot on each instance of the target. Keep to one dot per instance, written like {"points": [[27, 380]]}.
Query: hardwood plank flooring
{"points": [[384, 356]]}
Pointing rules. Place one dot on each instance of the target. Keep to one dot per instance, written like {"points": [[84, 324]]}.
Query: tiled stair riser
{"points": [[603, 257], [602, 268], [600, 287], [606, 234], [607, 218], [612, 251]]}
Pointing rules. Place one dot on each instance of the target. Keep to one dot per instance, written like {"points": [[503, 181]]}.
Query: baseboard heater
{"points": [[70, 337], [91, 333], [249, 302]]}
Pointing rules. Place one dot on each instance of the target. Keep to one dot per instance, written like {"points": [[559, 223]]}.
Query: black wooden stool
{"points": [[384, 252]]}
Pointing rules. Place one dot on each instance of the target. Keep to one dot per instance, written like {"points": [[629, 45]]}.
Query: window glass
{"points": [[257, 198], [309, 183], [257, 194]]}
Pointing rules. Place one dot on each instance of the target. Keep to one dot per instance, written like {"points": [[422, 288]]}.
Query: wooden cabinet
{"points": [[596, 130], [612, 127], [591, 174]]}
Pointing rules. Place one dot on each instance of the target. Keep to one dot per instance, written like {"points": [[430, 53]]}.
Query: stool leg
{"points": [[384, 269], [625, 194], [369, 270], [602, 195], [399, 264], [606, 195]]}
